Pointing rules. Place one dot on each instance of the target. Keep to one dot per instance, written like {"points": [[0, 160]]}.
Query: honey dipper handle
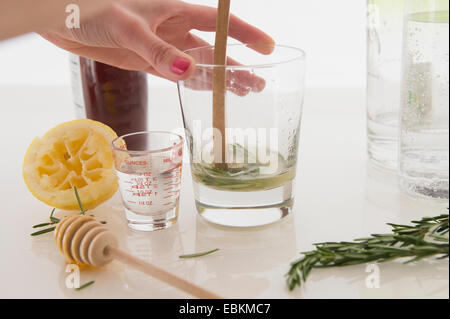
{"points": [[161, 274]]}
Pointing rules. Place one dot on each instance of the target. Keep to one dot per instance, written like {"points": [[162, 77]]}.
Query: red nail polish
{"points": [[180, 65]]}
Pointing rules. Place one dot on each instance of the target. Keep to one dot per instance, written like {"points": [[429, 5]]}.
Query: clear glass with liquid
{"points": [[424, 140], [148, 167], [262, 127], [385, 33]]}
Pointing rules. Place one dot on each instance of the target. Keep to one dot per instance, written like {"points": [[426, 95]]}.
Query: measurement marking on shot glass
{"points": [[147, 182]]}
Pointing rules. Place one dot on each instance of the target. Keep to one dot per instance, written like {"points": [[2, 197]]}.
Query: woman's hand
{"points": [[150, 35]]}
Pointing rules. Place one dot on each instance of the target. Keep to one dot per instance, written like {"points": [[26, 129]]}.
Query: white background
{"points": [[333, 34]]}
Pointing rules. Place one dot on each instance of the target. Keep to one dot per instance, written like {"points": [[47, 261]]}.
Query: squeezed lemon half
{"points": [[76, 153]]}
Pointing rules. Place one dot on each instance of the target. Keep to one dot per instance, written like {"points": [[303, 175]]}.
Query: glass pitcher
{"points": [[385, 32], [424, 134]]}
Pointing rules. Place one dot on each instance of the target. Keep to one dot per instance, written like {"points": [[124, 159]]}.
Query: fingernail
{"points": [[180, 65]]}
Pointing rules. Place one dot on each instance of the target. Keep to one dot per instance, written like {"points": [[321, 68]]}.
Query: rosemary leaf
{"points": [[44, 231], [42, 225], [85, 285], [199, 254], [54, 219], [79, 201]]}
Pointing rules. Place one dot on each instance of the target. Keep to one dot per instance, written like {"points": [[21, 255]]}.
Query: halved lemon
{"points": [[76, 153]]}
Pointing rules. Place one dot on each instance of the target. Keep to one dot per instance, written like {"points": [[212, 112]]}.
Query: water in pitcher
{"points": [[425, 114], [385, 31]]}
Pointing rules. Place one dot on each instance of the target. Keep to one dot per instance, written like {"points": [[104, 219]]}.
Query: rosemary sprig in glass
{"points": [[424, 238]]}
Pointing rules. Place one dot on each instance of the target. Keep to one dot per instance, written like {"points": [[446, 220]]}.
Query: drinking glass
{"points": [[263, 110], [424, 137], [385, 32], [149, 174]]}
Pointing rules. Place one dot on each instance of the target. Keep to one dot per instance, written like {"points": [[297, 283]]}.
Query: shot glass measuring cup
{"points": [[149, 177]]}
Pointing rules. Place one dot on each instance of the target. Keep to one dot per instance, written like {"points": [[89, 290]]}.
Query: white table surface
{"points": [[339, 196]]}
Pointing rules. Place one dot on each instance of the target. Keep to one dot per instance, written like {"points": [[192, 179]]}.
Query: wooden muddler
{"points": [[219, 83]]}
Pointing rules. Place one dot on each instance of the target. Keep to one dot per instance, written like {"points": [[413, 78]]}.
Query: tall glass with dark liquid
{"points": [[113, 96]]}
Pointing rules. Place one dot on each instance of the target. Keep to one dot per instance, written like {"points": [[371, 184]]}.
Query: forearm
{"points": [[22, 16]]}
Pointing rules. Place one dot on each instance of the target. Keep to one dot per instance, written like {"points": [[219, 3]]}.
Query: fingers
{"points": [[118, 57], [203, 18], [202, 80], [249, 80], [240, 82], [166, 59], [246, 33]]}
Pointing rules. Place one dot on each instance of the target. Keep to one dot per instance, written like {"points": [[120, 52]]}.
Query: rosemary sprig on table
{"points": [[54, 220], [424, 238]]}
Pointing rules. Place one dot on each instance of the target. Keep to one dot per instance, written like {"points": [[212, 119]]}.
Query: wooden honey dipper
{"points": [[83, 240]]}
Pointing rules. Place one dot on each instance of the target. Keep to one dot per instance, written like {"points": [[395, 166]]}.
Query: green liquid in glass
{"points": [[249, 176]]}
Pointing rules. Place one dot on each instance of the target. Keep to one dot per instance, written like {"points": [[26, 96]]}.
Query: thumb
{"points": [[166, 59]]}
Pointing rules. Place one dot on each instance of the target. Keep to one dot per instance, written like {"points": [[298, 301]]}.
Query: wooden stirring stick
{"points": [[82, 239], [219, 83]]}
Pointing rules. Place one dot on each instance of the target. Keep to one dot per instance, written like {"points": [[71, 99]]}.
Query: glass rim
{"points": [[301, 55], [159, 150]]}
